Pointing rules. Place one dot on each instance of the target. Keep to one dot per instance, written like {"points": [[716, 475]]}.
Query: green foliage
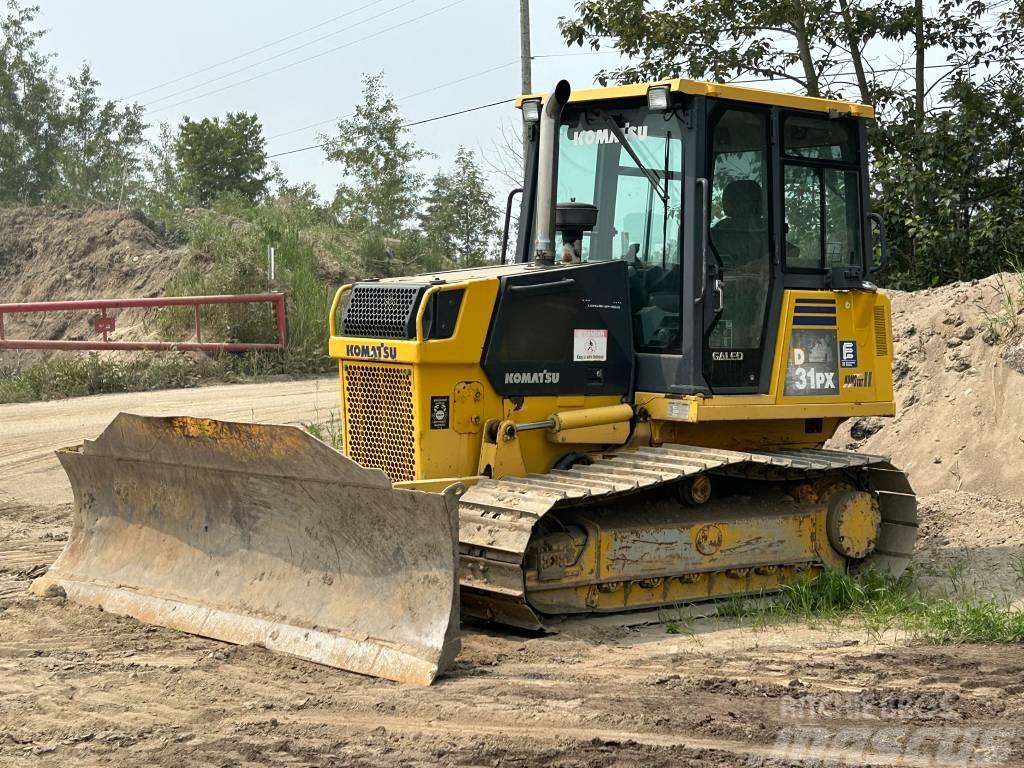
{"points": [[326, 429], [380, 191], [459, 222], [161, 193], [967, 621], [229, 245], [879, 602], [952, 188], [59, 141], [92, 374], [100, 154], [1005, 320], [216, 158], [947, 147], [31, 107]]}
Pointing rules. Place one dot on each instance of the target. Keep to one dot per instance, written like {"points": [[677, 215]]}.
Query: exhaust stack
{"points": [[547, 173]]}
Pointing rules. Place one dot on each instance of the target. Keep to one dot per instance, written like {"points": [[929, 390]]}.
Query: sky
{"points": [[299, 65], [135, 47]]}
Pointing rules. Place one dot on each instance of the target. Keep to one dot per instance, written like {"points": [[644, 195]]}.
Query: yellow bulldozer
{"points": [[630, 413]]}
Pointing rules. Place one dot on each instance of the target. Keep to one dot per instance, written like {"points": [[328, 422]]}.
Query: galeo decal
{"points": [[734, 356], [606, 136], [372, 351], [532, 377]]}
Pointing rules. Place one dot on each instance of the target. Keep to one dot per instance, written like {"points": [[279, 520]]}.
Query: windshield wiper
{"points": [[651, 175]]}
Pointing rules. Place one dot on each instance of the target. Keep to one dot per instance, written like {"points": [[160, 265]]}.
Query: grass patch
{"points": [[878, 603], [93, 374], [1005, 320], [326, 429]]}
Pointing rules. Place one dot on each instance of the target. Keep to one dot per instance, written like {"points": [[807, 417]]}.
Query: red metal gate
{"points": [[104, 323]]}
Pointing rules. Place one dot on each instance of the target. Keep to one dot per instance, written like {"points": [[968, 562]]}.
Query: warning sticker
{"points": [[589, 345], [439, 410]]}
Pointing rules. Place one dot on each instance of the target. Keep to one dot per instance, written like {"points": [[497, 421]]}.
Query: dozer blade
{"points": [[262, 534]]}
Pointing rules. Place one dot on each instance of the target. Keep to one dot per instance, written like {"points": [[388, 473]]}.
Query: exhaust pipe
{"points": [[547, 173]]}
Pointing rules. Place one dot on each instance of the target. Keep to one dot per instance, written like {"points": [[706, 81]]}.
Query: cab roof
{"points": [[721, 91]]}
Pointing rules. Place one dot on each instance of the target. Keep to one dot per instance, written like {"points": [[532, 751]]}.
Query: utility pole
{"points": [[525, 65]]}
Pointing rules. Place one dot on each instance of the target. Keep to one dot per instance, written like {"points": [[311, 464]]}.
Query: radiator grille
{"points": [[881, 344], [379, 422], [378, 311]]}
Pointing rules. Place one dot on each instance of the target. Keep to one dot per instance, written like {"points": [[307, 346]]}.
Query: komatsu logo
{"points": [[532, 377], [607, 136], [372, 351]]}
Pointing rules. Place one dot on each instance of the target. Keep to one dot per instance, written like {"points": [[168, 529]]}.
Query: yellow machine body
{"points": [[387, 386]]}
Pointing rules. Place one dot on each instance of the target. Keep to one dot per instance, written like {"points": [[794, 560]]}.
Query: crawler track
{"points": [[498, 517]]}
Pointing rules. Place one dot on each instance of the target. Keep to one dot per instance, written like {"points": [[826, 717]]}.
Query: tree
{"points": [[100, 154], [963, 166], [380, 189], [460, 220], [30, 110], [933, 181], [215, 158], [811, 44], [161, 187]]}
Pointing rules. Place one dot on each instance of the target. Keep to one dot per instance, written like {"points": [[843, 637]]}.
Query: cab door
{"points": [[740, 288]]}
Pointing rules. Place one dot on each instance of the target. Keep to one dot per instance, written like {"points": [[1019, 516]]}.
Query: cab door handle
{"points": [[705, 235]]}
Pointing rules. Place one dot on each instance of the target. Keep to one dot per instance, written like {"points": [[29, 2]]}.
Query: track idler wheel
{"points": [[694, 491], [853, 523]]}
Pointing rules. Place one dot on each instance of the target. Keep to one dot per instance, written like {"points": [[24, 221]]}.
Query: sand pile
{"points": [[51, 254], [959, 377]]}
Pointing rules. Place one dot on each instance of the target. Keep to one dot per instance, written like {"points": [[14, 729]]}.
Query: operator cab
{"points": [[716, 203]]}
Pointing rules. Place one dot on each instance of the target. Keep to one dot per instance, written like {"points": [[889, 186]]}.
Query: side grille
{"points": [[379, 425], [881, 344], [382, 311]]}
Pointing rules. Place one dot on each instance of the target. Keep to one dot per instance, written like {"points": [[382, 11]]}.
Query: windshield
{"points": [[629, 164]]}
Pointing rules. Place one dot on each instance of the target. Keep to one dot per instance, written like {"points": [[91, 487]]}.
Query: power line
{"points": [[313, 57], [271, 44], [323, 145], [277, 55], [400, 99], [883, 71], [575, 53]]}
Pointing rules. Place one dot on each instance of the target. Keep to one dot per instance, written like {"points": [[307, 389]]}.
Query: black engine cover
{"points": [[562, 330]]}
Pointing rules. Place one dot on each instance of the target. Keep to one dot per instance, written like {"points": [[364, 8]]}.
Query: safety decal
{"points": [[440, 408], [589, 345]]}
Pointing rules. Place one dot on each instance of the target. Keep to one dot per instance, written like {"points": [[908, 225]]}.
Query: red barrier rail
{"points": [[104, 323]]}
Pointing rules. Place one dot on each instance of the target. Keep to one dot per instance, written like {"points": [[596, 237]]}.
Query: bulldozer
{"points": [[627, 412]]}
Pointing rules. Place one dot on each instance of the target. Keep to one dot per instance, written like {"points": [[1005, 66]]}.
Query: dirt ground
{"points": [[81, 687]]}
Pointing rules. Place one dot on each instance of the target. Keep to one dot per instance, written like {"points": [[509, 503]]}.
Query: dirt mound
{"points": [[959, 390], [49, 254]]}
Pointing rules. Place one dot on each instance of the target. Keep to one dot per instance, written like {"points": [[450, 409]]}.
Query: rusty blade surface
{"points": [[250, 533]]}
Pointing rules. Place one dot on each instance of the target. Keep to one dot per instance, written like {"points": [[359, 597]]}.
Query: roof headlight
{"points": [[658, 98]]}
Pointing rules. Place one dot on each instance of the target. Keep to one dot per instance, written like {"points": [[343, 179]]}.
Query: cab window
{"points": [[629, 163], [822, 195]]}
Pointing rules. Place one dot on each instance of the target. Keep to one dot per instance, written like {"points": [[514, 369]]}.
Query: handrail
{"points": [[105, 323], [332, 320], [421, 311], [705, 236], [883, 245]]}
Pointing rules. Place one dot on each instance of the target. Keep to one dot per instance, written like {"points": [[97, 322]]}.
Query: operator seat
{"points": [[741, 238], [741, 242]]}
